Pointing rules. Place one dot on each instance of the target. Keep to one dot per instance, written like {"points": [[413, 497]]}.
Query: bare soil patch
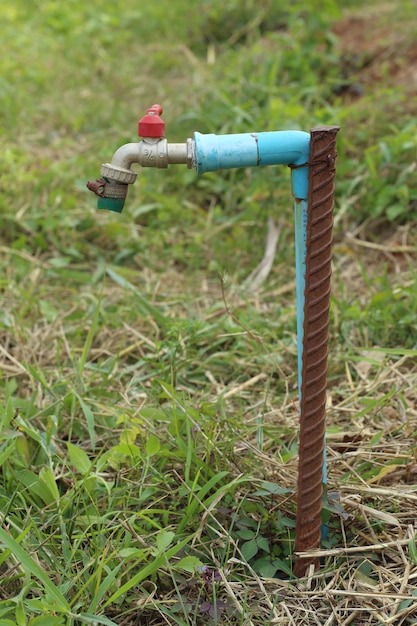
{"points": [[377, 54]]}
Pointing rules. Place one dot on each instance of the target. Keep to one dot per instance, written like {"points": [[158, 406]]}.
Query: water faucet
{"points": [[152, 151], [311, 157]]}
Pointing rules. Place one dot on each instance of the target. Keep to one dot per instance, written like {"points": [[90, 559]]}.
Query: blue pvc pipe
{"points": [[279, 147], [300, 221]]}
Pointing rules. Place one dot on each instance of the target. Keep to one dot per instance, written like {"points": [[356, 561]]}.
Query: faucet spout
{"points": [[125, 156]]}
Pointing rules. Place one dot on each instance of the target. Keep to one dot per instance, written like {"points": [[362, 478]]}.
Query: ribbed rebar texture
{"points": [[315, 343]]}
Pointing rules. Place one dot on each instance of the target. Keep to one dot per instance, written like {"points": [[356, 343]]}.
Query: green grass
{"points": [[148, 413]]}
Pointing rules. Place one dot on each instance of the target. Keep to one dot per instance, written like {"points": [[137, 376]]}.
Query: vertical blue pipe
{"points": [[300, 221]]}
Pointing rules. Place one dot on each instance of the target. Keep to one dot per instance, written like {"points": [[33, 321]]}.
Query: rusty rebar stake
{"points": [[315, 343]]}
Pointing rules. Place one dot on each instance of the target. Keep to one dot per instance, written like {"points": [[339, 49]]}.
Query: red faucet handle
{"points": [[151, 125], [156, 109]]}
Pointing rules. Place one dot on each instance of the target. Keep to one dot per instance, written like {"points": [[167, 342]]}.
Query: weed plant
{"points": [[148, 398]]}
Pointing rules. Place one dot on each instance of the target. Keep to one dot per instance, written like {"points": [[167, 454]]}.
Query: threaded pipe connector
{"points": [[118, 174]]}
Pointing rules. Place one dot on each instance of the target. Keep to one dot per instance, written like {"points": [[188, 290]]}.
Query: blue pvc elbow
{"points": [[286, 147]]}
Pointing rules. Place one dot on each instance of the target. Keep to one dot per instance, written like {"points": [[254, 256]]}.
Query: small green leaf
{"points": [[189, 564], [132, 553], [48, 311], [164, 539], [263, 543], [265, 567], [121, 454], [79, 458], [268, 568], [249, 549], [153, 445], [246, 533]]}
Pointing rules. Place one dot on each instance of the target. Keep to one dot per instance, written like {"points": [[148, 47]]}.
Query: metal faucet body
{"points": [[153, 152], [311, 157]]}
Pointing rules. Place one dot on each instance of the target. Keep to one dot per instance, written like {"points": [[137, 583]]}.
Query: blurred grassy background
{"points": [[131, 351]]}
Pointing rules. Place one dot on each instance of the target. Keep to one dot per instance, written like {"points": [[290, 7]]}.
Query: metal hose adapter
{"points": [[112, 188]]}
